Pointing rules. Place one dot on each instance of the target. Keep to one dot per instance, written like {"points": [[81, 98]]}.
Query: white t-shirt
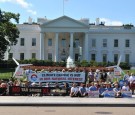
{"points": [[74, 89], [131, 79], [125, 88]]}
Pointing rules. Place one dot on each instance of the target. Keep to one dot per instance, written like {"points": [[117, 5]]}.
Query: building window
{"points": [[104, 42], [127, 43], [63, 42], [22, 42], [33, 56], [50, 42], [104, 57], [116, 43], [33, 41], [93, 57], [127, 58], [21, 56], [115, 58], [76, 43], [93, 42], [10, 55], [50, 56]]}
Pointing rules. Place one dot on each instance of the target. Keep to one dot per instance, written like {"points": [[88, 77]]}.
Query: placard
{"points": [[93, 94]]}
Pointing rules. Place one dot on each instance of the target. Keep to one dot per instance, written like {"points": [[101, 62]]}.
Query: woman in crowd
{"points": [[93, 87], [117, 90]]}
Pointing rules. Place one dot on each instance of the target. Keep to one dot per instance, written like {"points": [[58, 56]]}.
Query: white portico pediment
{"points": [[63, 23]]}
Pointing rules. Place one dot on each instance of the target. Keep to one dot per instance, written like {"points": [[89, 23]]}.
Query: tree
{"points": [[8, 29]]}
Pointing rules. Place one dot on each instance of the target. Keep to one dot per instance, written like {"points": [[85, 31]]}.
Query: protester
{"points": [[125, 87], [103, 76], [74, 91], [91, 76], [101, 90], [97, 75], [117, 91], [83, 91], [126, 76], [93, 87], [132, 82]]}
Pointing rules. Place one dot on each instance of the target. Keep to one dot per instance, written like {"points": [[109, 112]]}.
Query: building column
{"points": [[56, 46], [86, 50], [42, 46], [71, 46]]}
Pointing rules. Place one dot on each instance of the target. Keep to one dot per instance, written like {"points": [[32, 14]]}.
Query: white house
{"points": [[62, 37]]}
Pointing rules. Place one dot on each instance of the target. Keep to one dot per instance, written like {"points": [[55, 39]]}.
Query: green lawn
{"points": [[6, 73]]}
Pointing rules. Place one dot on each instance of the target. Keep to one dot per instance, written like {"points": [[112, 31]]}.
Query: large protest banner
{"points": [[24, 91], [57, 77]]}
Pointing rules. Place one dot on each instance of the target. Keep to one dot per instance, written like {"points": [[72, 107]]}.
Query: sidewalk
{"points": [[65, 101]]}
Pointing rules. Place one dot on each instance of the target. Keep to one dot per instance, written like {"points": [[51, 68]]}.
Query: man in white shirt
{"points": [[74, 91]]}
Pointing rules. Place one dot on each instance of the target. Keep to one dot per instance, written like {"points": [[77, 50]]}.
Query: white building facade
{"points": [[62, 37]]}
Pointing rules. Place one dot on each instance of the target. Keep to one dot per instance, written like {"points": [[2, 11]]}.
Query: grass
{"points": [[6, 73]]}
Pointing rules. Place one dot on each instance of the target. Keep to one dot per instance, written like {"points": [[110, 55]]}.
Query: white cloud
{"points": [[32, 12], [5, 0], [23, 3], [27, 6], [109, 22]]}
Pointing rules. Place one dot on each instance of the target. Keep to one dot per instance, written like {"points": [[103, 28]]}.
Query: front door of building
{"points": [[76, 57]]}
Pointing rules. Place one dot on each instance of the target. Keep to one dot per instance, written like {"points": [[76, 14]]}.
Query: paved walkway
{"points": [[65, 101]]}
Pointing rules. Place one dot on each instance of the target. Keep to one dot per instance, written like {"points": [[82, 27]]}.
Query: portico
{"points": [[66, 36]]}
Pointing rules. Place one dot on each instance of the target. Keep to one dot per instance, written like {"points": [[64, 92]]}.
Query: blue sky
{"points": [[113, 12]]}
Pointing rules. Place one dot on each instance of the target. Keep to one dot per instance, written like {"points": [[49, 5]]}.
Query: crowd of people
{"points": [[96, 80]]}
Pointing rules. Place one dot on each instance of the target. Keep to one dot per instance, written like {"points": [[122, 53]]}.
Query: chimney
{"points": [[30, 20], [97, 21]]}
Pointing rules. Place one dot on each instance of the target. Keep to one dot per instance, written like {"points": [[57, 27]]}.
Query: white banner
{"points": [[57, 77], [19, 73], [117, 73]]}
